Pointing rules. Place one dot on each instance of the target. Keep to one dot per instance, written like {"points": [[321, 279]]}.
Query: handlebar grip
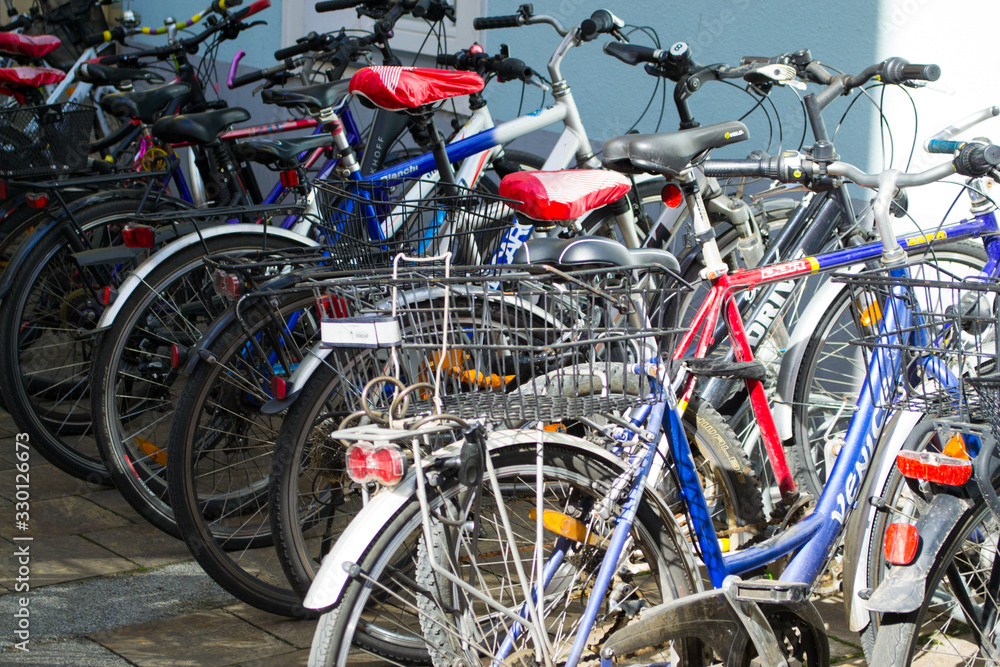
{"points": [[734, 168], [447, 60], [977, 159], [599, 22], [632, 54], [512, 68], [258, 6], [249, 77], [306, 45], [493, 22], [334, 5], [21, 21], [106, 36], [898, 70]]}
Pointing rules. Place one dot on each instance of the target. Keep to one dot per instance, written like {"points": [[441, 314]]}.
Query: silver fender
{"points": [[366, 526], [858, 533], [798, 340], [143, 270]]}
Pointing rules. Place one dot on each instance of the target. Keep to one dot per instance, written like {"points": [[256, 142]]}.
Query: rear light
{"points": [[901, 542], [138, 236], [36, 199], [278, 387], [384, 464], [226, 285], [107, 295], [178, 355], [290, 178], [672, 195], [331, 307], [934, 467]]}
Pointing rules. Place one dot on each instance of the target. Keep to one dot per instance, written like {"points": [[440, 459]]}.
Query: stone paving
{"points": [[107, 589]]}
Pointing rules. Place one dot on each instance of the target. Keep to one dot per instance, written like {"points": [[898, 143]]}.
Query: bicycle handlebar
{"points": [[335, 5], [506, 68], [495, 22], [600, 22]]}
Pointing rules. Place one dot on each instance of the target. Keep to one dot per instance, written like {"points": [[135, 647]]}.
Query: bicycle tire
{"points": [[133, 387], [828, 376], [665, 551], [62, 435], [218, 429]]}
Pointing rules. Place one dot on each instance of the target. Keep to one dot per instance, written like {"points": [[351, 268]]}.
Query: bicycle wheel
{"points": [[219, 452], [385, 609], [45, 349], [135, 387], [831, 371], [957, 623]]}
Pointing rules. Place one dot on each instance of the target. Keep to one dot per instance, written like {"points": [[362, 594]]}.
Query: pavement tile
{"points": [[47, 481], [294, 659], [68, 653], [111, 499], [60, 558], [142, 543], [66, 516], [297, 632], [202, 639]]}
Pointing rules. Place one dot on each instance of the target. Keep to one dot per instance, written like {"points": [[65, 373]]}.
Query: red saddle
{"points": [[563, 195], [398, 88], [14, 80], [28, 45]]}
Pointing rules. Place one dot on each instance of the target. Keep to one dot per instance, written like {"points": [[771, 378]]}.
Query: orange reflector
{"points": [[555, 428], [151, 450], [672, 195], [901, 541], [956, 447], [934, 467], [564, 525]]}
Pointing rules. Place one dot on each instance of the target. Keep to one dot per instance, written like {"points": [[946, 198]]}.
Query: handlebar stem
{"points": [[571, 39]]}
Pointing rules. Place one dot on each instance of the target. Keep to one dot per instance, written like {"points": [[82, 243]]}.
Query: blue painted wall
{"points": [[612, 95]]}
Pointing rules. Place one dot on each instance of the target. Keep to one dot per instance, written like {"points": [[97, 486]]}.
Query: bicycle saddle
{"points": [[591, 252], [668, 153], [27, 45], [562, 195], [398, 88], [105, 75], [315, 98], [282, 153], [145, 104], [199, 128]]}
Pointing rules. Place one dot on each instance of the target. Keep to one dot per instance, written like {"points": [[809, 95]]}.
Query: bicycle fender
{"points": [[903, 590], [858, 533], [153, 261], [367, 525]]}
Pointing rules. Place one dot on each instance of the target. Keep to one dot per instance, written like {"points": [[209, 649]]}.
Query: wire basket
{"points": [[945, 336], [517, 346], [988, 390], [44, 140], [365, 224]]}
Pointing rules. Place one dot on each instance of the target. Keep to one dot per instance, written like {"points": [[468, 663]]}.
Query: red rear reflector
{"points": [[278, 387], [934, 467], [367, 463], [107, 295], [176, 353], [36, 200], [672, 195], [226, 285], [3, 189], [331, 307], [901, 541], [138, 236], [290, 178]]}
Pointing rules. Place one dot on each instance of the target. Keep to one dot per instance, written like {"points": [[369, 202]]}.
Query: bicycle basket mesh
{"points": [[515, 346], [475, 227], [988, 390], [944, 334], [44, 140]]}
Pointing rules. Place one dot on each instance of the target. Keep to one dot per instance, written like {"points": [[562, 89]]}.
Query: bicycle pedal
{"points": [[769, 590], [733, 370]]}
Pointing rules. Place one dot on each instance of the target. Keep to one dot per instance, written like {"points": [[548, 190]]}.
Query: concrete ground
{"points": [[107, 589]]}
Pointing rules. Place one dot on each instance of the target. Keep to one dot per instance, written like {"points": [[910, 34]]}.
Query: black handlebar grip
{"points": [[632, 54], [493, 22], [334, 5], [599, 22], [310, 43], [733, 168], [21, 21], [421, 8], [512, 68], [101, 37], [249, 77], [977, 159], [447, 59], [898, 70]]}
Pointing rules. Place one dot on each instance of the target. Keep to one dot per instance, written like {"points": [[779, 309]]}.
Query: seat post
{"points": [[424, 116]]}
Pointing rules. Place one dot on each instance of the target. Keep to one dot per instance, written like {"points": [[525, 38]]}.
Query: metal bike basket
{"points": [[944, 335], [44, 140], [366, 223], [520, 344]]}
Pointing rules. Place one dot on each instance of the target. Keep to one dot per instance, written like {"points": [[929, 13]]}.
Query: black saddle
{"points": [[591, 252], [315, 98], [280, 153], [668, 153], [199, 128], [105, 75], [145, 104]]}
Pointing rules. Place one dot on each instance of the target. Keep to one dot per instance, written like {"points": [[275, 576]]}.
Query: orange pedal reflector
{"points": [[934, 467], [554, 428], [151, 450], [901, 541], [567, 526], [956, 447]]}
